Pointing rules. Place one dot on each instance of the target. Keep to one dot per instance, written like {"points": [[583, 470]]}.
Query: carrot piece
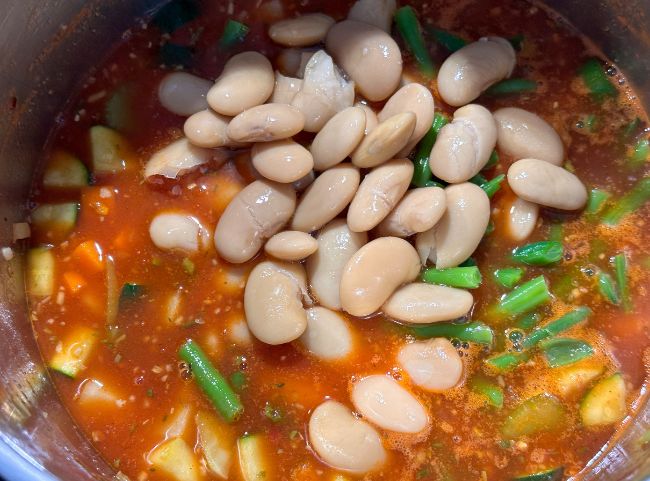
{"points": [[74, 281], [89, 254]]}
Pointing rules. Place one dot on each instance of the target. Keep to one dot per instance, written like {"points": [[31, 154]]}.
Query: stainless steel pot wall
{"points": [[45, 48]]}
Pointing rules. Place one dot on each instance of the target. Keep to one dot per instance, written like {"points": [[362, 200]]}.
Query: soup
{"points": [[385, 243]]}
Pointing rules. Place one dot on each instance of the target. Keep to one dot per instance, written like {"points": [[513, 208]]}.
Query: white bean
{"points": [[327, 335], [175, 159], [463, 225], [247, 80], [344, 442], [379, 193], [338, 137], [375, 12], [418, 211], [301, 31], [266, 123], [546, 184], [282, 161], [421, 303], [256, 213], [369, 55], [469, 71], [464, 146], [521, 219], [371, 117], [285, 89], [183, 94], [386, 140], [434, 364], [425, 244], [291, 245], [326, 198], [524, 135], [382, 401], [273, 302], [208, 129], [336, 246], [324, 92], [374, 272], [415, 98], [176, 231]]}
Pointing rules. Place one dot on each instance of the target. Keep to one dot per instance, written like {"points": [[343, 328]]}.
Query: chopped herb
{"points": [[272, 413], [512, 86], [472, 332], [149, 392], [188, 266], [234, 32], [238, 380]]}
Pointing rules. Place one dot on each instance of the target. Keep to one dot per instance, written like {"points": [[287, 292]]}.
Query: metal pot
{"points": [[45, 48]]}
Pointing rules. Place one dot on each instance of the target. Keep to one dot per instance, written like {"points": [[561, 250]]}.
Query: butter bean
{"points": [[266, 123], [183, 94], [418, 211], [327, 336], [301, 31], [386, 140], [291, 245], [175, 159], [421, 303], [434, 364], [338, 137], [282, 161]]}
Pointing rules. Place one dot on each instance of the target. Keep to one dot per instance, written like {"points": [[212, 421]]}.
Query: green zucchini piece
{"points": [[60, 218], [252, 460], [65, 171], [605, 403], [543, 412], [553, 474], [176, 458], [40, 272], [74, 352], [109, 150]]}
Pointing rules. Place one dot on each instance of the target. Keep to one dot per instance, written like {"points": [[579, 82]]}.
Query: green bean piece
{"points": [[491, 391], [478, 179], [422, 175], [594, 76], [512, 86], [506, 361], [633, 200], [540, 253], [490, 228], [474, 331], [517, 41], [409, 28], [528, 321], [470, 261], [640, 153], [493, 186], [523, 298], [213, 384], [175, 14], [607, 288], [492, 161], [597, 199], [508, 277], [234, 32], [463, 277], [620, 268], [562, 351], [448, 40], [556, 232], [561, 324]]}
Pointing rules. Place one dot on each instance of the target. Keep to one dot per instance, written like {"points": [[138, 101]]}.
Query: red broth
{"points": [[150, 395]]}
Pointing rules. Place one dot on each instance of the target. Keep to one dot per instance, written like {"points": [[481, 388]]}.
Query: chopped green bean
{"points": [[506, 361], [620, 267], [490, 228], [540, 253], [607, 289], [478, 179], [492, 161], [597, 199], [470, 261], [448, 40], [409, 28], [640, 153], [131, 290], [491, 391], [562, 351], [528, 321], [523, 299], [463, 277], [493, 186], [214, 385], [422, 173], [175, 14], [234, 32], [633, 200], [512, 86], [508, 277], [561, 324], [517, 41], [556, 232], [594, 76], [471, 331]]}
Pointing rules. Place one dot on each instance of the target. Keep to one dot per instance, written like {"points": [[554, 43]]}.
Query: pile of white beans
{"points": [[356, 160]]}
